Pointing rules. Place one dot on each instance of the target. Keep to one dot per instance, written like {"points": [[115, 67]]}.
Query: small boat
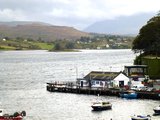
{"points": [[15, 116], [141, 117], [101, 105], [157, 110], [128, 94]]}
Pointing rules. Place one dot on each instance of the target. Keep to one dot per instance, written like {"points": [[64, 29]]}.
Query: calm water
{"points": [[23, 75]]}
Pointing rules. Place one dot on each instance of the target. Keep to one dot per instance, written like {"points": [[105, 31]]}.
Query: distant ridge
{"points": [[123, 25], [38, 31]]}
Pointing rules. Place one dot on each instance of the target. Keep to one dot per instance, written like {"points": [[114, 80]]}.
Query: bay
{"points": [[23, 77]]}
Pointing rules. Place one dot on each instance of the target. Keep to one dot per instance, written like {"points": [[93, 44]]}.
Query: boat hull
{"points": [[139, 117], [99, 108], [129, 96], [157, 111], [10, 118]]}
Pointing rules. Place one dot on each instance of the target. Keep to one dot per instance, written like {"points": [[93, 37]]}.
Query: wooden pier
{"points": [[72, 88]]}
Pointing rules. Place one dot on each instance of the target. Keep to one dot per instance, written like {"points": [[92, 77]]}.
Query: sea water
{"points": [[23, 77]]}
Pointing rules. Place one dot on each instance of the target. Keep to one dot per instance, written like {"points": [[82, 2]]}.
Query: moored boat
{"points": [[101, 105], [128, 94], [157, 110], [141, 117], [15, 116]]}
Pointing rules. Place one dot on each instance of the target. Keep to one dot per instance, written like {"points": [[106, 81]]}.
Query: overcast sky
{"points": [[74, 13]]}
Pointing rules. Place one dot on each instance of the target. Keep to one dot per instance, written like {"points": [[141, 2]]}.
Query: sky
{"points": [[74, 13]]}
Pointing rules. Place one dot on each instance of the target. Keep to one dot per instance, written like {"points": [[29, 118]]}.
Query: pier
{"points": [[71, 87]]}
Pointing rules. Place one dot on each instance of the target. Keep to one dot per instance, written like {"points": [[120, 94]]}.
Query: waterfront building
{"points": [[134, 75], [98, 79], [137, 74]]}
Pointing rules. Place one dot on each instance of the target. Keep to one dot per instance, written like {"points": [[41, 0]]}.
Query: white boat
{"points": [[141, 117], [157, 110], [101, 105]]}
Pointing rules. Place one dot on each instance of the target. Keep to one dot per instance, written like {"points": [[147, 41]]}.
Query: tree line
{"points": [[147, 42]]}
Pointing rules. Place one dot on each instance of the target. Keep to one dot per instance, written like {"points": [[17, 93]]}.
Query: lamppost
{"points": [[76, 72]]}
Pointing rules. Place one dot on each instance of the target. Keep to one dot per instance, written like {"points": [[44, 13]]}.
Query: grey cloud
{"points": [[75, 13]]}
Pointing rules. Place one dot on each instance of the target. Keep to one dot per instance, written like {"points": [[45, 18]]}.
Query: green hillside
{"points": [[24, 45], [39, 31]]}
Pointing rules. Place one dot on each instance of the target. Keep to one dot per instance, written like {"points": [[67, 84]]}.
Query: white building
{"points": [[121, 80], [98, 79]]}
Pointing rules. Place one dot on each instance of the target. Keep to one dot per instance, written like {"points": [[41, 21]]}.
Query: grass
{"points": [[3, 47], [153, 64], [152, 57], [43, 46], [66, 50], [25, 45], [30, 45]]}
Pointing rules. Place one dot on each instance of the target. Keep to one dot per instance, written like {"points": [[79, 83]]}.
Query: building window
{"points": [[97, 82], [93, 82]]}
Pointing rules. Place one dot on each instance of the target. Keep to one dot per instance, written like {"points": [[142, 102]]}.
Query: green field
{"points": [[25, 45], [153, 64]]}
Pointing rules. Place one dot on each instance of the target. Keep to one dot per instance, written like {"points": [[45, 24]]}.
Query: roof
{"points": [[136, 66], [121, 77], [98, 75]]}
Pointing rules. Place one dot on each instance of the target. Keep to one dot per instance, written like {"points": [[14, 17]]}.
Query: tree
{"points": [[57, 46], [148, 40], [63, 44], [69, 45]]}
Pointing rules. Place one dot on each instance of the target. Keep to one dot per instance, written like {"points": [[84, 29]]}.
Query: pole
{"points": [[76, 73]]}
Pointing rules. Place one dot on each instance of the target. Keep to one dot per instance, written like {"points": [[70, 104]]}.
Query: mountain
{"points": [[38, 31], [126, 25]]}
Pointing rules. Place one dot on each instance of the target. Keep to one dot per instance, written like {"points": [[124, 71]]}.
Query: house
{"points": [[121, 80], [98, 79]]}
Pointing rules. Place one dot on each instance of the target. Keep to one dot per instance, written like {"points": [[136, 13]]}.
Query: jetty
{"points": [[71, 87], [109, 83]]}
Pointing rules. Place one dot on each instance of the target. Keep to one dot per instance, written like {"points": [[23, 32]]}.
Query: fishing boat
{"points": [[101, 105], [128, 94], [141, 117], [157, 110], [15, 116]]}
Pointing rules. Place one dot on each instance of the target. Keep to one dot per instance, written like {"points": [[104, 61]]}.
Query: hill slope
{"points": [[38, 31], [121, 25]]}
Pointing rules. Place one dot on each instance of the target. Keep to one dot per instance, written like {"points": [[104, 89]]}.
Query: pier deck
{"points": [[72, 88]]}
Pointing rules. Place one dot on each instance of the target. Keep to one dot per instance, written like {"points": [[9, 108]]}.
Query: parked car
{"points": [[150, 89], [136, 87], [144, 88]]}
